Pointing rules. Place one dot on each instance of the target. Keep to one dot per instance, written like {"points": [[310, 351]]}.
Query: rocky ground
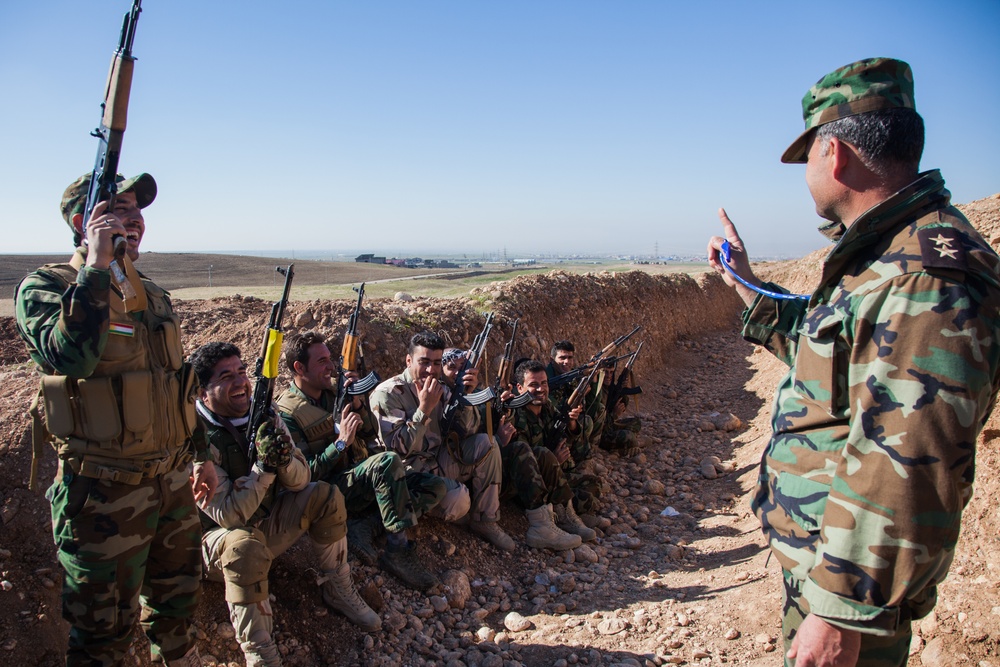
{"points": [[678, 575]]}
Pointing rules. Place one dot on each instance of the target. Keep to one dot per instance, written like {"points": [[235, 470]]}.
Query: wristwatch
{"points": [[340, 445]]}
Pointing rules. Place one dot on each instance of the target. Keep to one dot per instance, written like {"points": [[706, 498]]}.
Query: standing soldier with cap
{"points": [[894, 364], [119, 410]]}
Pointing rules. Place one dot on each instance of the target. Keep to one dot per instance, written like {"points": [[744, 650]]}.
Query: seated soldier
{"points": [[531, 474], [620, 433], [375, 487], [562, 360], [409, 408], [262, 506], [540, 425]]}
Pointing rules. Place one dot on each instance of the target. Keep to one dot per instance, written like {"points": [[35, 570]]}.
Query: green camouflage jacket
{"points": [[893, 371], [538, 430], [324, 460]]}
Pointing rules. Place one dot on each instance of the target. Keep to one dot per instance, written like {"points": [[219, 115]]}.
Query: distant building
{"points": [[369, 258]]}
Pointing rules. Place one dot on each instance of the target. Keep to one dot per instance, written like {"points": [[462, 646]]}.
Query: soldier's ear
{"points": [[298, 368], [78, 223]]}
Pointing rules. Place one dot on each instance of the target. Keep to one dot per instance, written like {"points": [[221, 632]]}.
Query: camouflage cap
{"points": [[872, 84], [74, 199]]}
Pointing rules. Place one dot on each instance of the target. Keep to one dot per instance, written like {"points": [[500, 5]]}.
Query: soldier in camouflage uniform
{"points": [[377, 486], [532, 475], [562, 360], [409, 407], [617, 434], [894, 364], [119, 410], [263, 505], [536, 424]]}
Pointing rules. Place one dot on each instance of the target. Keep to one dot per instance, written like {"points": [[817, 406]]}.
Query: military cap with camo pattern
{"points": [[74, 199], [873, 84]]}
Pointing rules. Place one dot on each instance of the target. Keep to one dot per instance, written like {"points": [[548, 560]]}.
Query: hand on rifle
{"points": [[561, 452], [429, 392], [350, 422], [471, 379], [101, 230], [574, 418], [506, 432], [274, 447]]}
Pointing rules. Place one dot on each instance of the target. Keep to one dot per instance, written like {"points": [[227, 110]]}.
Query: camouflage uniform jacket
{"points": [[406, 430], [312, 425], [537, 430], [244, 495], [122, 372], [594, 403], [893, 371]]}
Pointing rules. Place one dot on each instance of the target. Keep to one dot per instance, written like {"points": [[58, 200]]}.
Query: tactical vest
{"points": [[133, 416], [317, 425]]}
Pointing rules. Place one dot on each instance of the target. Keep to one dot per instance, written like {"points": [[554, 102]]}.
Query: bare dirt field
{"points": [[679, 574]]}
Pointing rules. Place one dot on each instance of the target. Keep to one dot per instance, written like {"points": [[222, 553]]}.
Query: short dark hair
{"points": [[563, 345], [427, 340], [525, 367], [297, 348], [890, 141], [204, 359]]}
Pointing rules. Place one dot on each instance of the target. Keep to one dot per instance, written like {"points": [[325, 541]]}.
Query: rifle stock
{"points": [[114, 118], [350, 360]]}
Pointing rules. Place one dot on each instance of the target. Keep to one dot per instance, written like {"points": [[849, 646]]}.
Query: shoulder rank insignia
{"points": [[941, 248]]}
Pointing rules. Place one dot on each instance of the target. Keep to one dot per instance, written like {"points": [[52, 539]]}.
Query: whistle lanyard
{"points": [[727, 256]]}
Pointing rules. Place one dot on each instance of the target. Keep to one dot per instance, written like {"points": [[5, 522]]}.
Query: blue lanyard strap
{"points": [[727, 256]]}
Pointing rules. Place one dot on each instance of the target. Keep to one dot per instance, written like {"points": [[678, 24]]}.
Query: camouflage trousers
{"points": [[533, 476], [621, 434], [401, 497], [598, 415], [116, 542], [580, 449], [876, 651], [586, 490]]}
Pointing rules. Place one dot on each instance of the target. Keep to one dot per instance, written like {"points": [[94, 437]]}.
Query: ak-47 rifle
{"points": [[560, 428], [350, 358], [266, 370], [569, 376], [114, 117], [459, 397], [618, 390], [502, 382]]}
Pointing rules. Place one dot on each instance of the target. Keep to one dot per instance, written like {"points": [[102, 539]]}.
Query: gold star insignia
{"points": [[942, 240], [947, 252]]}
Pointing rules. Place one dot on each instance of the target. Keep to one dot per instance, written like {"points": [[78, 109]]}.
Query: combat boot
{"points": [[402, 562], [340, 594], [567, 519], [361, 535], [543, 534], [492, 533], [260, 654], [189, 659]]}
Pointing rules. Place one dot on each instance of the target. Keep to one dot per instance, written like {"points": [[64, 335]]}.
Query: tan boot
{"points": [[339, 592], [189, 659], [492, 533], [543, 534], [567, 519]]}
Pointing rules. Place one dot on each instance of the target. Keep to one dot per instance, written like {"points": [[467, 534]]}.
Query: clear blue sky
{"points": [[413, 127]]}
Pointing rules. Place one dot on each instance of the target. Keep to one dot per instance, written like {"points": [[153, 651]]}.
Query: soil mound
{"points": [[680, 572]]}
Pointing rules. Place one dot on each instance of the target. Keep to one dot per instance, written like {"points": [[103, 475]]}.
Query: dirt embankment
{"points": [[693, 588]]}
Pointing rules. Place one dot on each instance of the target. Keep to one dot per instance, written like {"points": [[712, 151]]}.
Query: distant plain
{"points": [[207, 276]]}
